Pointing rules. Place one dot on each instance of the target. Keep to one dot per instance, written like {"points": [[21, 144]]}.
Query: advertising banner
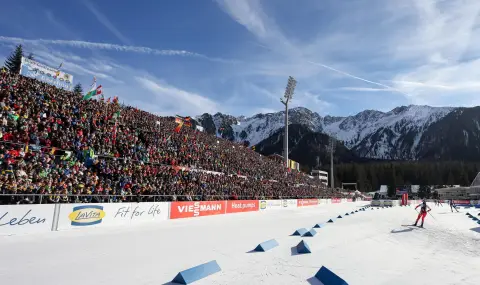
{"points": [[387, 203], [242, 206], [291, 203], [336, 200], [78, 216], [180, 210], [461, 202], [375, 203], [23, 219], [262, 205], [307, 202], [322, 201], [41, 72], [276, 204], [349, 200]]}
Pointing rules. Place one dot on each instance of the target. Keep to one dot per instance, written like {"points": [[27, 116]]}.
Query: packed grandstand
{"points": [[57, 147]]}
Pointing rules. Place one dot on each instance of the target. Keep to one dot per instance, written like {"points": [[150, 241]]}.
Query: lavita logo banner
{"points": [[78, 216]]}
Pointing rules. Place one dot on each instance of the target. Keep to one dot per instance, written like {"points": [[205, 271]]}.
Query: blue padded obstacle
{"points": [[303, 248], [352, 212], [468, 214], [267, 245], [300, 232], [196, 273], [327, 277], [310, 233], [356, 211], [346, 214], [317, 226], [339, 217], [474, 218], [330, 221]]}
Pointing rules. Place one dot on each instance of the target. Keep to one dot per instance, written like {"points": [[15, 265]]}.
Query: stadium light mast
{"points": [[332, 144], [292, 83]]}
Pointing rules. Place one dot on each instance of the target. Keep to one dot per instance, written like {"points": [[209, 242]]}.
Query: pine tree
{"points": [[78, 89], [14, 61]]}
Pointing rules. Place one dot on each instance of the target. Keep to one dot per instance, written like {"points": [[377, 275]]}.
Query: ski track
{"points": [[371, 247]]}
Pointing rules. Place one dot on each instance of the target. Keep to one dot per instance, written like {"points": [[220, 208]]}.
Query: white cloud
{"points": [[108, 46], [426, 49], [364, 89], [106, 23], [178, 100]]}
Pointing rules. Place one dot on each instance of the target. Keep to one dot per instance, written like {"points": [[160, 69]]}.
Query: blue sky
{"points": [[193, 56]]}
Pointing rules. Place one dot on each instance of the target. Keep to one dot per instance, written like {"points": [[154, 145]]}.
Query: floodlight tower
{"points": [[332, 144], [286, 98]]}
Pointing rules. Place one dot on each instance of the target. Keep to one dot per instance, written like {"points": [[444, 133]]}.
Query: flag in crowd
{"points": [[95, 92]]}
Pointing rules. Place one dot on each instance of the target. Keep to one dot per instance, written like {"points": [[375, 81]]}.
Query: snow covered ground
{"points": [[371, 247]]}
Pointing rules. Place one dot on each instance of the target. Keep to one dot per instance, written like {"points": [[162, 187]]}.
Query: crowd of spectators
{"points": [[52, 142]]}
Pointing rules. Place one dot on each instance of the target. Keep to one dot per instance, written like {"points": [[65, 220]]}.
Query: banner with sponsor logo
{"points": [[307, 202], [100, 215], [23, 219], [275, 204], [291, 203], [180, 210], [241, 206], [34, 69], [322, 201], [336, 200], [349, 200], [461, 202]]}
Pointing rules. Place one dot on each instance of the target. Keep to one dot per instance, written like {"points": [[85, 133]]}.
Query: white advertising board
{"points": [[329, 201], [78, 216], [274, 204], [291, 203], [23, 219], [322, 201]]}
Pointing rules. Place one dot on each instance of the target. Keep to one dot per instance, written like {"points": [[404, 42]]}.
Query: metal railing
{"points": [[9, 199]]}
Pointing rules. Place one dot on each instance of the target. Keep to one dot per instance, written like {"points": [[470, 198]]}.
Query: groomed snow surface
{"points": [[371, 247]]}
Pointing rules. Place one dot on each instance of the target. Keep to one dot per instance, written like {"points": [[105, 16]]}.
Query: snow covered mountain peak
{"points": [[370, 133]]}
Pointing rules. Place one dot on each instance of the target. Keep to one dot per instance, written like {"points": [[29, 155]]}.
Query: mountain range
{"points": [[404, 133]]}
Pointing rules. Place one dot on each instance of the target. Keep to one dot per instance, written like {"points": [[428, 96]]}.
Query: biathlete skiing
{"points": [[423, 212], [452, 205]]}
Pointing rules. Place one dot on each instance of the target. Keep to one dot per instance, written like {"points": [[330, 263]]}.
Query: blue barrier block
{"points": [[346, 214], [339, 217], [196, 273], [317, 226], [371, 208], [468, 214], [474, 218], [356, 211], [300, 232], [267, 245], [477, 206], [303, 248], [310, 233], [330, 221], [478, 222], [327, 277], [352, 212]]}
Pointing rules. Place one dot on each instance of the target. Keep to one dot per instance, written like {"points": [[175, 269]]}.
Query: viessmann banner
{"points": [[34, 69]]}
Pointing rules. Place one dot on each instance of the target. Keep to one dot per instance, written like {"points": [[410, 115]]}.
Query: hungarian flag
{"points": [[94, 92]]}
